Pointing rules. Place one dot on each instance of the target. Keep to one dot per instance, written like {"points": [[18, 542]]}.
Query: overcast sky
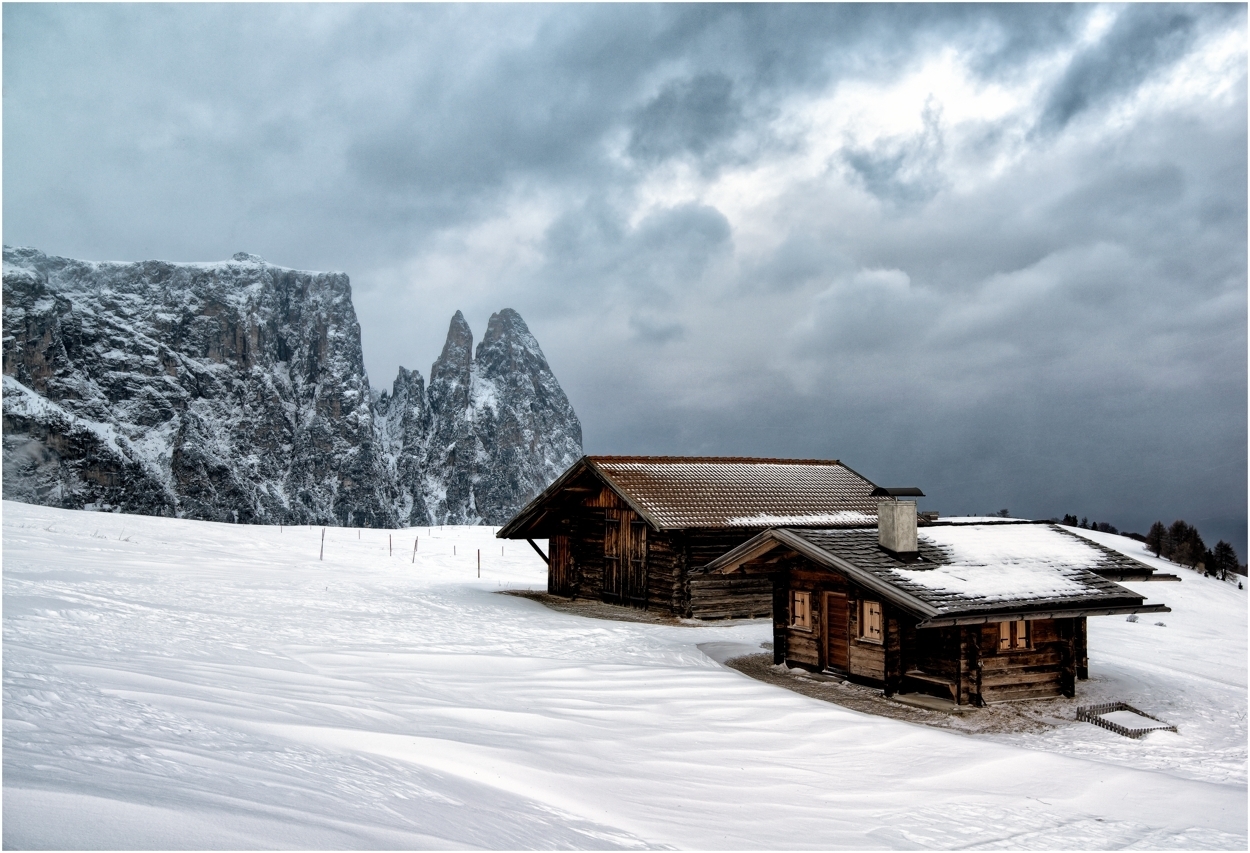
{"points": [[997, 252]]}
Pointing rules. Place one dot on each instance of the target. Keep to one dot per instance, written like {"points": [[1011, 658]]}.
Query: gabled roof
{"points": [[677, 492], [966, 574]]}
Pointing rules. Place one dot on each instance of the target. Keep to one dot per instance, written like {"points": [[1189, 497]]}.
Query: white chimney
{"points": [[896, 526]]}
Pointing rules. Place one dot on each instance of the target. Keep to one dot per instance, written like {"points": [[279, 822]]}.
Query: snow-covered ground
{"points": [[180, 684]]}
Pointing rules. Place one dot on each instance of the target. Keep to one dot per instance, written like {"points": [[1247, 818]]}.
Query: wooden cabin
{"points": [[630, 530], [974, 614]]}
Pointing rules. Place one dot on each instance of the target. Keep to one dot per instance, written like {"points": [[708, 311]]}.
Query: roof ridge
{"points": [[771, 460]]}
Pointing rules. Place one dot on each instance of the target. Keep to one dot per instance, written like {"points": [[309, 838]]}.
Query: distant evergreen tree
{"points": [[1223, 559], [1084, 523], [1184, 545], [1070, 521], [1156, 538], [1107, 528]]}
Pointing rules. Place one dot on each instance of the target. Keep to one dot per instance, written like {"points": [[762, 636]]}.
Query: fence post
{"points": [[322, 556]]}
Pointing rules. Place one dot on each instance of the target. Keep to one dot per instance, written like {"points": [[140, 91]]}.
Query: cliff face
{"points": [[236, 391], [499, 426], [230, 392]]}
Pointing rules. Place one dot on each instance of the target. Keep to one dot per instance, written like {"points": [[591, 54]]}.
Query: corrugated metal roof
{"points": [[684, 491]]}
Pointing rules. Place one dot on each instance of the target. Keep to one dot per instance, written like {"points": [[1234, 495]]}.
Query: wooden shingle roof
{"points": [[676, 492]]}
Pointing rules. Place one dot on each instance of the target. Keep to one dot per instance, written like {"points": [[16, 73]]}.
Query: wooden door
{"points": [[624, 558], [835, 619], [636, 558], [560, 566], [613, 546]]}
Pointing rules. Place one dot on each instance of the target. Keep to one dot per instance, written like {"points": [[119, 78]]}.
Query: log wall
{"points": [[658, 575], [963, 663]]}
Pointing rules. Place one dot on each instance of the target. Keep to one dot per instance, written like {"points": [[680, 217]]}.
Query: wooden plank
{"points": [[1020, 679], [801, 647], [866, 659], [1032, 692]]}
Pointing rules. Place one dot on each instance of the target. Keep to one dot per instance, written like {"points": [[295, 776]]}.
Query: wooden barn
{"points": [[972, 613], [631, 529]]}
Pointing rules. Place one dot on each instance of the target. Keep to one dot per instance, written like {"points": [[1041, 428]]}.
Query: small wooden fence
{"points": [[1093, 714]]}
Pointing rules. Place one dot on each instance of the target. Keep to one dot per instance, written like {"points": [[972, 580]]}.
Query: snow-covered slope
{"points": [[170, 683], [236, 391]]}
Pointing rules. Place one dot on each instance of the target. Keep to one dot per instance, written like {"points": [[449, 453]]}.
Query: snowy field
{"points": [[176, 684]]}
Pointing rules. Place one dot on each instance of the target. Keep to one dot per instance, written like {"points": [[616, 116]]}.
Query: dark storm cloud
{"points": [[1142, 39], [687, 116], [1022, 305]]}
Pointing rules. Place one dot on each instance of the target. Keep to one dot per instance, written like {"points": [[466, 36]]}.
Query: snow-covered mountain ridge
{"points": [[236, 391]]}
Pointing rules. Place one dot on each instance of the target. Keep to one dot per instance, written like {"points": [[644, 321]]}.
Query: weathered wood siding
{"points": [[586, 528], [865, 659], [614, 556], [561, 577], [963, 663], [734, 596], [804, 646], [1046, 669], [666, 572]]}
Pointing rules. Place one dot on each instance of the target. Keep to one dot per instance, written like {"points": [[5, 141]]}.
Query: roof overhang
{"points": [[764, 542], [525, 524], [1015, 615], [522, 525]]}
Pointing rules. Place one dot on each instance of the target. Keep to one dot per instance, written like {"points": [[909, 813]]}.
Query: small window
{"points": [[1013, 635], [801, 610], [870, 621]]}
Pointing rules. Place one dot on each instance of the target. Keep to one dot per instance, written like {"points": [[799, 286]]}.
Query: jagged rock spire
{"points": [[500, 428]]}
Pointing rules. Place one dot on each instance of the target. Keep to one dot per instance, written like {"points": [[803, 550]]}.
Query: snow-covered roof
{"points": [[962, 570], [675, 492]]}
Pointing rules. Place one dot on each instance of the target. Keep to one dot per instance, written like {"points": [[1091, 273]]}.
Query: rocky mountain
{"points": [[236, 391], [493, 430]]}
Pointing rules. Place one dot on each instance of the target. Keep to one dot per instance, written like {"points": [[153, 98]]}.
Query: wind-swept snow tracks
{"points": [[222, 687]]}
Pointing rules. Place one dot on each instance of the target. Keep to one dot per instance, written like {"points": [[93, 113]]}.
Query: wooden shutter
{"points": [[800, 610], [870, 621]]}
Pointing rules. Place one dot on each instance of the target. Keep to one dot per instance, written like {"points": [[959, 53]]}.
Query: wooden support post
{"points": [[390, 546], [322, 556], [534, 545], [414, 549], [479, 562]]}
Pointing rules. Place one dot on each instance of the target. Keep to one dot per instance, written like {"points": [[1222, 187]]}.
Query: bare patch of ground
{"points": [[1034, 716]]}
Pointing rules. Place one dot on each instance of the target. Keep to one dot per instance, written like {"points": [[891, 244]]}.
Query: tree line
{"points": [[1180, 542]]}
